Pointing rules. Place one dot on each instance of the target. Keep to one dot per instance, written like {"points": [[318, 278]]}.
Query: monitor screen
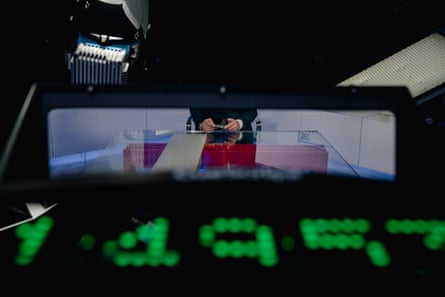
{"points": [[89, 140], [72, 131]]}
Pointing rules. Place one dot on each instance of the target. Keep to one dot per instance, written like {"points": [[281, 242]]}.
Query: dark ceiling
{"points": [[250, 41], [245, 42], [278, 41]]}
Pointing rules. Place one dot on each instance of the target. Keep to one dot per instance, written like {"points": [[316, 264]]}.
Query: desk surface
{"points": [[141, 151]]}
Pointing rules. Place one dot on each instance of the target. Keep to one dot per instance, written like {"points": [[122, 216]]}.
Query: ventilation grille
{"points": [[92, 64], [420, 67]]}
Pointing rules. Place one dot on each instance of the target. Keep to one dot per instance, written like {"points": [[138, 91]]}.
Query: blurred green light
{"points": [[88, 241], [320, 225], [343, 241], [249, 225], [171, 258], [264, 232], [146, 232], [288, 243], [234, 225], [206, 235], [422, 226], [312, 240], [270, 261], [263, 248], [30, 247], [237, 249], [23, 260], [333, 233], [349, 226], [44, 223], [357, 241], [327, 241], [154, 261], [436, 239], [219, 225], [251, 249], [154, 254], [406, 226], [335, 225], [306, 226], [110, 247], [121, 259], [378, 254], [25, 230], [158, 243], [392, 226], [220, 248], [363, 225], [33, 234], [127, 240], [138, 259]]}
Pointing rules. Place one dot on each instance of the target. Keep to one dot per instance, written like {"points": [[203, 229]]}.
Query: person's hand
{"points": [[207, 125], [232, 125]]}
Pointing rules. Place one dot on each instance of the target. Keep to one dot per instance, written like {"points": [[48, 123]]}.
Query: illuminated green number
{"points": [[33, 236], [262, 245], [154, 235], [433, 231], [343, 234]]}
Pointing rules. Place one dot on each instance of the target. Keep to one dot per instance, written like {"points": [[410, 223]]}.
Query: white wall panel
{"points": [[342, 131], [378, 149], [280, 120], [80, 130]]}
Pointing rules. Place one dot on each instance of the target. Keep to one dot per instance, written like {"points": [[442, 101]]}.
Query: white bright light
{"points": [[420, 67]]}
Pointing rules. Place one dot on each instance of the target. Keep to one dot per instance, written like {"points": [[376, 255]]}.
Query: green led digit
{"points": [[342, 234], [154, 235], [433, 231], [33, 236], [261, 246]]}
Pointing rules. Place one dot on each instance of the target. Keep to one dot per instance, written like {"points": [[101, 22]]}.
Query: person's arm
{"points": [[247, 116], [218, 116], [198, 115], [203, 119]]}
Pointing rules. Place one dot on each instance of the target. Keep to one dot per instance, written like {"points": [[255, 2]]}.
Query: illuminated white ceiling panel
{"points": [[420, 67]]}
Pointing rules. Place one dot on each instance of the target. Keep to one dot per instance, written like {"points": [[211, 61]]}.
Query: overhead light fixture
{"points": [[420, 67]]}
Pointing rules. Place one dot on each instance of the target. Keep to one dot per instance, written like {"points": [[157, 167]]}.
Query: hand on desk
{"points": [[229, 125], [224, 137], [232, 125]]}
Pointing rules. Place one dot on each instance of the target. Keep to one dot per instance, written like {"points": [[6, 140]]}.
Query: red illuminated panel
{"points": [[228, 155], [313, 158]]}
